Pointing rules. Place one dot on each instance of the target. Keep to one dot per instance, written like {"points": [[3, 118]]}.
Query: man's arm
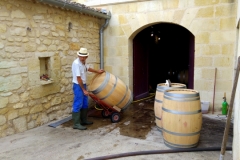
{"points": [[95, 71]]}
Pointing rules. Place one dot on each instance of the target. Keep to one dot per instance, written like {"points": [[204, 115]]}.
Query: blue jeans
{"points": [[80, 101]]}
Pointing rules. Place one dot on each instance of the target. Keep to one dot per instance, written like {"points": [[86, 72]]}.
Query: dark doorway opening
{"points": [[160, 52]]}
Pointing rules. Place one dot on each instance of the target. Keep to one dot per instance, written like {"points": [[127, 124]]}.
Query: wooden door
{"points": [[140, 68], [191, 62]]}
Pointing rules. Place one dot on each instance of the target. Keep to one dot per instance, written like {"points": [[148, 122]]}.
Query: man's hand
{"points": [[100, 71], [85, 92]]}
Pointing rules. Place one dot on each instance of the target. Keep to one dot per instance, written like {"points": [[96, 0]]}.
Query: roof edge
{"points": [[77, 7]]}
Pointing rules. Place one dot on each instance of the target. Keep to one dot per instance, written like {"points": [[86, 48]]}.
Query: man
{"points": [[80, 101]]}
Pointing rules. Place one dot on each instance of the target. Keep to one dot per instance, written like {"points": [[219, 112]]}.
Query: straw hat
{"points": [[83, 52]]}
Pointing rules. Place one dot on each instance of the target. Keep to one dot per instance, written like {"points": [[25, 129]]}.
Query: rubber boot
{"points": [[84, 120], [76, 124]]}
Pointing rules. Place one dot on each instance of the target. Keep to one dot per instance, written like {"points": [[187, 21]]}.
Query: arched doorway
{"points": [[160, 52]]}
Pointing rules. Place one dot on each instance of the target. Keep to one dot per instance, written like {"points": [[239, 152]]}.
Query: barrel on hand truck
{"points": [[111, 93]]}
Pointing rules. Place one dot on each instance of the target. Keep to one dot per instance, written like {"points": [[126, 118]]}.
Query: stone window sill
{"points": [[46, 82]]}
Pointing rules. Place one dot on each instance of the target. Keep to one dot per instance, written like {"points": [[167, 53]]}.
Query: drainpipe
{"points": [[101, 41]]}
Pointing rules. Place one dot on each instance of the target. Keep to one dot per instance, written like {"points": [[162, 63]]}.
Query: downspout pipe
{"points": [[101, 41], [78, 8]]}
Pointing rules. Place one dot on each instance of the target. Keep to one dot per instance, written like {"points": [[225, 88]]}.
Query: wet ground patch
{"points": [[139, 118]]}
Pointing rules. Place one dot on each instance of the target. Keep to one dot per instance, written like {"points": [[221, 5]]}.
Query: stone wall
{"points": [[236, 109], [31, 32], [213, 24]]}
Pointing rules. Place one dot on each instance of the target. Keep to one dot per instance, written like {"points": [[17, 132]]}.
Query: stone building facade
{"points": [[27, 102], [39, 39], [215, 26]]}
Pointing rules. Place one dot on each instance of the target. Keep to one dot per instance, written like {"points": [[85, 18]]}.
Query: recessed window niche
{"points": [[45, 70]]}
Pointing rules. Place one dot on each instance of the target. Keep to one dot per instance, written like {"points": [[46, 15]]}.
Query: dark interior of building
{"points": [[168, 53]]}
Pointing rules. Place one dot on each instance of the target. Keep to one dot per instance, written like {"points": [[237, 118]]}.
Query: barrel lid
{"points": [[181, 92], [163, 86]]}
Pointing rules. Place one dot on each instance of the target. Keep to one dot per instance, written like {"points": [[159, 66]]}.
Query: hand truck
{"points": [[108, 111]]}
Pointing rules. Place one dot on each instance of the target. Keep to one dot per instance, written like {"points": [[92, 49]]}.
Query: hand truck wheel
{"points": [[115, 117], [104, 114]]}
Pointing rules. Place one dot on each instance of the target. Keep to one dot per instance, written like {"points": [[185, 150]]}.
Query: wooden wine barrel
{"points": [[161, 87], [182, 118], [111, 90]]}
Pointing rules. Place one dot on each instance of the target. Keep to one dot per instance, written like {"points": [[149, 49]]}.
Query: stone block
{"points": [[203, 61], [52, 48], [224, 85], [1, 45], [42, 48], [205, 12], [42, 91], [188, 17], [3, 120], [41, 119], [33, 64], [66, 61], [18, 105], [6, 64], [202, 38], [31, 125], [4, 72], [197, 73], [58, 19], [155, 6], [61, 33], [38, 17], [13, 49], [225, 10], [18, 32], [23, 111], [10, 83], [74, 46], [18, 14], [228, 49], [178, 15], [47, 105], [12, 114], [56, 101], [4, 14], [3, 111], [209, 24], [34, 78], [45, 33], [3, 102], [36, 109], [205, 2], [20, 124], [116, 31], [228, 23], [224, 73], [208, 73], [223, 61], [30, 47], [18, 70], [121, 8], [3, 28], [25, 39], [56, 63], [203, 85], [122, 19], [173, 4], [211, 50]]}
